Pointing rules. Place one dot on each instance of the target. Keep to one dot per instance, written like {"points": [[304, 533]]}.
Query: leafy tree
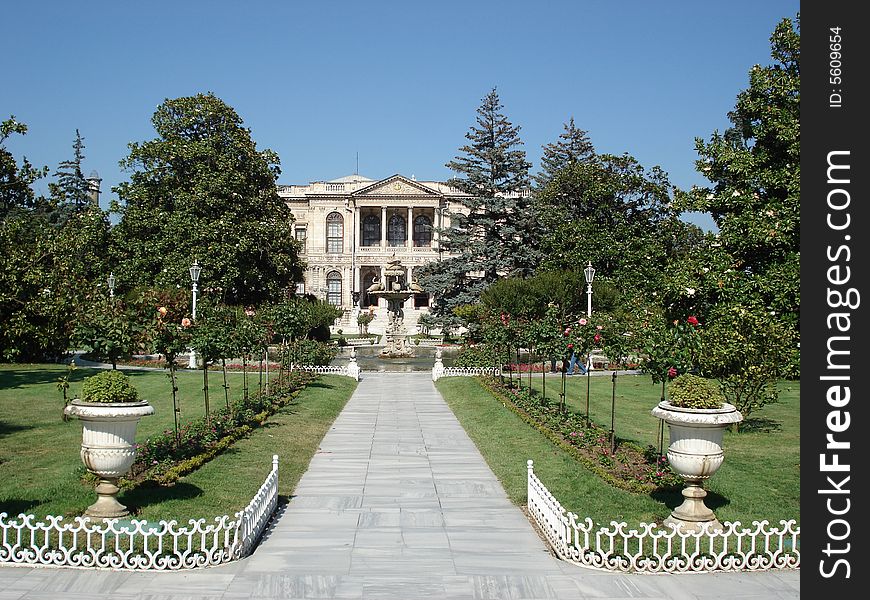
{"points": [[611, 211], [572, 146], [745, 349], [754, 196], [202, 189], [490, 238], [113, 327], [16, 182]]}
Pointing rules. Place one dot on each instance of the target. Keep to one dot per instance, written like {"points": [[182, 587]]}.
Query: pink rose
{"points": [[570, 346], [250, 312], [599, 327], [185, 322], [582, 321], [567, 331], [672, 372]]}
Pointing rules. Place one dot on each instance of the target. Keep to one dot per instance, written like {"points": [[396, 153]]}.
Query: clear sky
{"points": [[396, 82]]}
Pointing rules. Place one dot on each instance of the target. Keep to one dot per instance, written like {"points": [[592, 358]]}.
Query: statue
{"points": [[415, 286], [376, 285]]}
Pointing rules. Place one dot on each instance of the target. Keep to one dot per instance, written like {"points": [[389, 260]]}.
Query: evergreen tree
{"points": [[491, 237], [572, 146], [202, 190], [72, 189]]}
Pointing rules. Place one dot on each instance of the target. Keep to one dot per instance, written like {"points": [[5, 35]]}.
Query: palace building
{"points": [[351, 227]]}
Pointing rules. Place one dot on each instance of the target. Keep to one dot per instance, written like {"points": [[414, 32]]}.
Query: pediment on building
{"points": [[397, 185]]}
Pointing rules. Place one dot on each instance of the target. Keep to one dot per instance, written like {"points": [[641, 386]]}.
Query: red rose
{"points": [[692, 320], [570, 346], [672, 372], [597, 338]]}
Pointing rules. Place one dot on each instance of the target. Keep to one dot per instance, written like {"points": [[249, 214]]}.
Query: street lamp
{"points": [[195, 270], [589, 273], [111, 281]]}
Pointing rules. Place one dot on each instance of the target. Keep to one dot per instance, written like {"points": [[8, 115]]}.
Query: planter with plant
{"points": [[697, 416], [109, 409]]}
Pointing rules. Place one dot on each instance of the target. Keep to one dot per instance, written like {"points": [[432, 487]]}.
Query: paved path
{"points": [[399, 504]]}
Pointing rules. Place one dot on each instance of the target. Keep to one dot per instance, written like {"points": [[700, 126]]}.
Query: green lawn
{"points": [[40, 468], [760, 478]]}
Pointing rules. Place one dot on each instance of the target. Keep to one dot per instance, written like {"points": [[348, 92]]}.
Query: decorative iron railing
{"points": [[653, 549], [138, 544]]}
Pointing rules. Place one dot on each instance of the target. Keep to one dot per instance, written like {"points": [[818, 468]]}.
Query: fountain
{"points": [[396, 291]]}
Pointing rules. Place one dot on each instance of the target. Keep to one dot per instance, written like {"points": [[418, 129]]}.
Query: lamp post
{"points": [[111, 281], [589, 274], [195, 270]]}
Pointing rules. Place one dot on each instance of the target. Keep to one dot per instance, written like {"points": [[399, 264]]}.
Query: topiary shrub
{"points": [[691, 391], [109, 386]]}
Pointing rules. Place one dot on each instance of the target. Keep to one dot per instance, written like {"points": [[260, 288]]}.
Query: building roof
{"points": [[349, 179]]}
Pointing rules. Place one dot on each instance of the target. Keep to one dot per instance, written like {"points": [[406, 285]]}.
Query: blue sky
{"points": [[396, 82]]}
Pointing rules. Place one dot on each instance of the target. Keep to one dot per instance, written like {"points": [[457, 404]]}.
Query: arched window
{"points": [[396, 234], [422, 231], [371, 235], [333, 288], [334, 233]]}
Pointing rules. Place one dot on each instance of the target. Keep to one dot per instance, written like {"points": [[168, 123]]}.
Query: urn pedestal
{"points": [[695, 453], [108, 450]]}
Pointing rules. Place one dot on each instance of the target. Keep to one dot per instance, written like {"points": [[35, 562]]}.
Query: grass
{"points": [[760, 478], [40, 468]]}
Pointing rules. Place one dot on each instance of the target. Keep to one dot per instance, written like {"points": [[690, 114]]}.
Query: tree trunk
{"points": [[205, 389]]}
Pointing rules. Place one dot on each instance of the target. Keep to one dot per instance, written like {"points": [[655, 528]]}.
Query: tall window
{"points": [[333, 288], [334, 233], [396, 234], [371, 231], [300, 237], [422, 231]]}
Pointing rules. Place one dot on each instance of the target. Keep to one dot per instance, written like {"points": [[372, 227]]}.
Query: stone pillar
{"points": [[436, 237], [356, 286], [383, 228], [410, 228]]}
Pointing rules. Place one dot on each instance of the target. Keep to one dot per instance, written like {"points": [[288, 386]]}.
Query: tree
{"points": [[611, 211], [754, 199], [72, 190], [202, 189], [572, 146], [16, 182], [491, 237]]}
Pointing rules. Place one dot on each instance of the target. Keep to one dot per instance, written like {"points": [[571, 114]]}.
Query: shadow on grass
{"points": [[673, 497], [759, 425], [320, 384], [17, 378], [7, 428], [147, 494], [16, 506]]}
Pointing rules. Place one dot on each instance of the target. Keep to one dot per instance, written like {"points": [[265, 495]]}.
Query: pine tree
{"points": [[491, 237], [572, 146], [72, 189]]}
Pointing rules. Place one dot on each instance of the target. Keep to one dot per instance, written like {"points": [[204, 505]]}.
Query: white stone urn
{"points": [[695, 453], [108, 450]]}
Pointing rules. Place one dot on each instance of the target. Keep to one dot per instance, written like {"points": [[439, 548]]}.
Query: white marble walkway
{"points": [[397, 503]]}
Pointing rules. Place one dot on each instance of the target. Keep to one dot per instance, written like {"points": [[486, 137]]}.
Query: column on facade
{"points": [[410, 228], [409, 303], [356, 285], [436, 236], [383, 228]]}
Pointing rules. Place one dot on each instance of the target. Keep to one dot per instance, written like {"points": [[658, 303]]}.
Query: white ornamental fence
{"points": [[440, 371], [138, 545], [427, 342], [651, 549], [349, 370]]}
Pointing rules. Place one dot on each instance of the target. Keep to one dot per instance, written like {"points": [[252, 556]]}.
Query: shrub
{"points": [[480, 355], [109, 386], [691, 391]]}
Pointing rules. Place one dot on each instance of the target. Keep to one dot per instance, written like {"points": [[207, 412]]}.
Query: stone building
{"points": [[352, 227]]}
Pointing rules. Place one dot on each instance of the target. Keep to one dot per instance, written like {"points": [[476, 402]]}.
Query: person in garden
{"points": [[575, 361]]}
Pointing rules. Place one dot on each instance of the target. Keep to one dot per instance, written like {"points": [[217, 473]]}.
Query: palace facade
{"points": [[351, 227]]}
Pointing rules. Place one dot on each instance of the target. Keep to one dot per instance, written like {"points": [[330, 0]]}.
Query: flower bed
{"points": [[162, 459], [629, 467]]}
